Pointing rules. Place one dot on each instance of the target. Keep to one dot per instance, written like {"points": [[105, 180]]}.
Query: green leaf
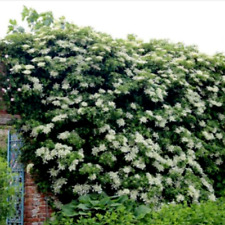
{"points": [[13, 22], [141, 211], [82, 206], [104, 201], [85, 199], [94, 202], [69, 209]]}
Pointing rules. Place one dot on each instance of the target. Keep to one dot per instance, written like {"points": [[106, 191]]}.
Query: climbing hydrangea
{"points": [[119, 116]]}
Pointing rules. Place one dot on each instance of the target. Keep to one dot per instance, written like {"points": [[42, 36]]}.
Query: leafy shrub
{"points": [[119, 116], [6, 192], [98, 208], [210, 213], [3, 152]]}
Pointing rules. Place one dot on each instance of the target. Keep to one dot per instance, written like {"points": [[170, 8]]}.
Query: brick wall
{"points": [[3, 136], [36, 209]]}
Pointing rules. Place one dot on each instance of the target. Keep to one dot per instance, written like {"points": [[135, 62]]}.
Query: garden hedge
{"points": [[121, 116]]}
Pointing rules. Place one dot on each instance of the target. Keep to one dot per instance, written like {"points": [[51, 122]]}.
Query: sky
{"points": [[198, 23]]}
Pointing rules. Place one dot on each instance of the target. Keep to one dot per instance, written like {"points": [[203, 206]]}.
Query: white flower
{"points": [[38, 87], [32, 50], [97, 188], [208, 136], [62, 59], [110, 137], [92, 177], [127, 169], [219, 136], [47, 128], [99, 58], [41, 151], [120, 122], [4, 90], [143, 119], [102, 147], [73, 165], [169, 181], [139, 164], [101, 90], [45, 51], [221, 116], [184, 139], [88, 59], [25, 46], [65, 86], [202, 123], [78, 99], [139, 138], [133, 106], [144, 197], [133, 194], [115, 179], [112, 104], [58, 184], [60, 150], [180, 198], [148, 112], [104, 128], [47, 57], [95, 151], [99, 102], [29, 67], [219, 161], [159, 118], [193, 192], [212, 197], [59, 118], [54, 172], [84, 104], [27, 72], [130, 156], [116, 144], [41, 64], [83, 84], [125, 149], [29, 167], [54, 73], [123, 192], [129, 115], [64, 135], [213, 89]]}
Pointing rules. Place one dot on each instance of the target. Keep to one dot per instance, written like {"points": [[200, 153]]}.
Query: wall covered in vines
{"points": [[123, 117]]}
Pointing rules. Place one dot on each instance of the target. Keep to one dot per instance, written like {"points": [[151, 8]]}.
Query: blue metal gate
{"points": [[14, 145]]}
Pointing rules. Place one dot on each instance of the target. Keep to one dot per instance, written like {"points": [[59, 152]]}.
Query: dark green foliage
{"points": [[208, 213]]}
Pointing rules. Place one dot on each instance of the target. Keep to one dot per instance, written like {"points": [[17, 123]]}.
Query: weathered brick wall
{"points": [[36, 209], [3, 136]]}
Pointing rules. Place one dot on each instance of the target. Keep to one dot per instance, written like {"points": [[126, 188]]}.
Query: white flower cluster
{"points": [[42, 128]]}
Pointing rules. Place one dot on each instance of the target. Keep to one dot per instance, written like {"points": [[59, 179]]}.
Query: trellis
{"points": [[14, 145]]}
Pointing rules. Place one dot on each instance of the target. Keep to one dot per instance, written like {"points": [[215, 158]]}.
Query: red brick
{"points": [[34, 201]]}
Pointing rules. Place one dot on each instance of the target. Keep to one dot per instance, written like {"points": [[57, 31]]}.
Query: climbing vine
{"points": [[123, 117]]}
